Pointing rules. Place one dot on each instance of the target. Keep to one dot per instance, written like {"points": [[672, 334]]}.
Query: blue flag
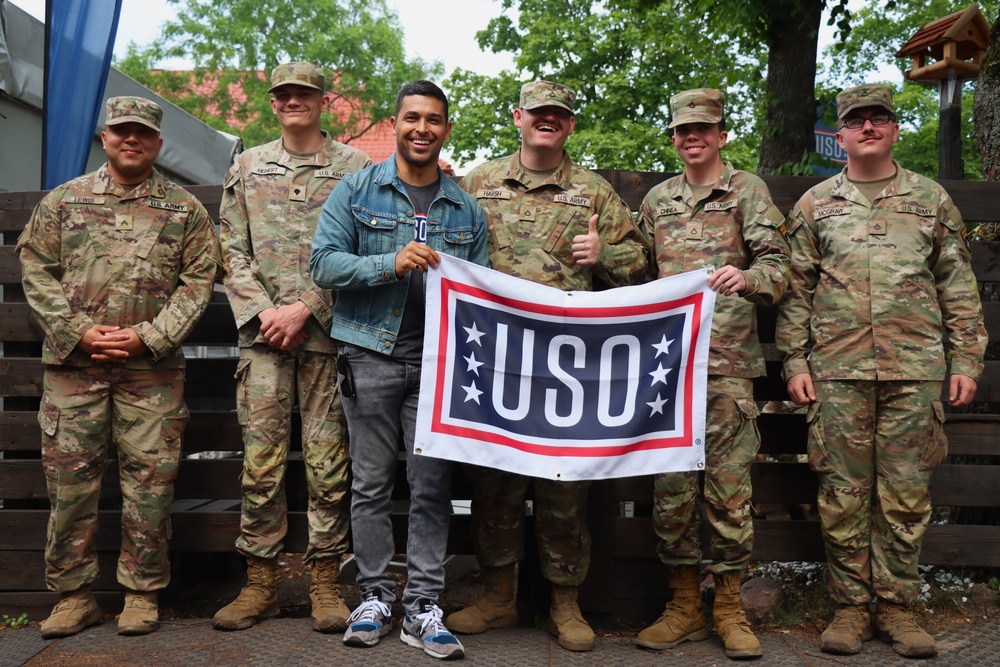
{"points": [[81, 35]]}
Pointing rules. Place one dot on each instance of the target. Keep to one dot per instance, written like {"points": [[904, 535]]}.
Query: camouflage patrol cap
{"points": [[868, 95], [299, 74], [133, 110], [535, 94], [701, 105]]}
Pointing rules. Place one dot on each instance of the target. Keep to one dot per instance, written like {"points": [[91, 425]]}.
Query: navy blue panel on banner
{"points": [[81, 39]]}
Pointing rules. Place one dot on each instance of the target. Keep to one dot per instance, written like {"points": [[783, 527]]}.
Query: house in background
{"points": [[377, 141]]}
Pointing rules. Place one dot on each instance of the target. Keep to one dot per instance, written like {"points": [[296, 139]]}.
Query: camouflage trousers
{"points": [[874, 445], [83, 410], [270, 383], [560, 523], [731, 444]]}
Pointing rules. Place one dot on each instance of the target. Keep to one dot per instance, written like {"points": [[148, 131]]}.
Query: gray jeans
{"points": [[379, 418]]}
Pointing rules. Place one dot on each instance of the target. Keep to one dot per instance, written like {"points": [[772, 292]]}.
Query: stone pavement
{"points": [[291, 642]]}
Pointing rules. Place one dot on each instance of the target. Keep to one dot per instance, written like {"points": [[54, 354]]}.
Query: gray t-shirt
{"points": [[410, 340]]}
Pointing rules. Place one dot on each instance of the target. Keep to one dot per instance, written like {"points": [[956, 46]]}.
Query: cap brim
{"points": [[854, 107], [132, 119], [294, 82], [548, 104], [695, 118]]}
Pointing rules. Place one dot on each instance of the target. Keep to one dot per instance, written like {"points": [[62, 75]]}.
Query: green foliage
{"points": [[234, 44], [15, 623], [624, 58], [994, 583]]}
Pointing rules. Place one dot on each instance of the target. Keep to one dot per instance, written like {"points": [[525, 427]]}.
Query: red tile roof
{"points": [[378, 141]]}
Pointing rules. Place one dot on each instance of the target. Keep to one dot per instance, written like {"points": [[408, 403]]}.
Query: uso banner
{"points": [[564, 385]]}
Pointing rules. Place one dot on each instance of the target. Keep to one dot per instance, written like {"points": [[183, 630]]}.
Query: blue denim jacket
{"points": [[366, 221]]}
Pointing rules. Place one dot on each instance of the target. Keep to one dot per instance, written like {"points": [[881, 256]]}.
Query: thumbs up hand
{"points": [[587, 247]]}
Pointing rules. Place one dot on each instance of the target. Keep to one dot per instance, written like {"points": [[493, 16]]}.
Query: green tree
{"points": [[234, 44], [624, 58]]}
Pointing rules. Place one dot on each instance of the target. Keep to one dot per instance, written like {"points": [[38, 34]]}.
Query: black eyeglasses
{"points": [[876, 119], [347, 388]]}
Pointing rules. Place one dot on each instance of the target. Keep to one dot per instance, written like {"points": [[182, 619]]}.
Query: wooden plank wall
{"points": [[627, 583]]}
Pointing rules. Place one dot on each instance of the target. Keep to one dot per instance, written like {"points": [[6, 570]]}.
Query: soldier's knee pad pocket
{"points": [[936, 449], [819, 458]]}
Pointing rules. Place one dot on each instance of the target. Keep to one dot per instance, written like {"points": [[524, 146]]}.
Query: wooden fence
{"points": [[626, 582]]}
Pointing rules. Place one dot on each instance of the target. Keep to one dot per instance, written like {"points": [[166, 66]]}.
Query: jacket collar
{"points": [[154, 186], [387, 174], [561, 177]]}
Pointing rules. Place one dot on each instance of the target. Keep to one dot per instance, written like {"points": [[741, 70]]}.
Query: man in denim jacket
{"points": [[380, 231]]}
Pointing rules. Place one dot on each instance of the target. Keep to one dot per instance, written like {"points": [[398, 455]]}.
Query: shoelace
{"points": [[327, 594], [845, 619], [137, 602], [326, 589], [368, 609], [902, 618], [432, 617]]}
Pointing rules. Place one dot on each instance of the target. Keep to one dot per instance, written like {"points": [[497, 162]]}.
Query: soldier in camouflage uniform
{"points": [[270, 205], [713, 215], [558, 224], [118, 265], [881, 278]]}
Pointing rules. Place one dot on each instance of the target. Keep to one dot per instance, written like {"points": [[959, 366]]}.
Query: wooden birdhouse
{"points": [[952, 45]]}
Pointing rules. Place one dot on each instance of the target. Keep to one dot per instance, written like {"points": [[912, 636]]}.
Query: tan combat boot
{"points": [[566, 623], [897, 627], [683, 619], [141, 614], [258, 599], [496, 608], [75, 611], [850, 628], [730, 621], [329, 611]]}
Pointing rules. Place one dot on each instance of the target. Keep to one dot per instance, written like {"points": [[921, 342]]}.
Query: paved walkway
{"points": [[291, 642]]}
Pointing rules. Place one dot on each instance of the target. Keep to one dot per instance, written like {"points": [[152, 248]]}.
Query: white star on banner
{"points": [[657, 405], [475, 334], [472, 393], [473, 364], [660, 374], [663, 347]]}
